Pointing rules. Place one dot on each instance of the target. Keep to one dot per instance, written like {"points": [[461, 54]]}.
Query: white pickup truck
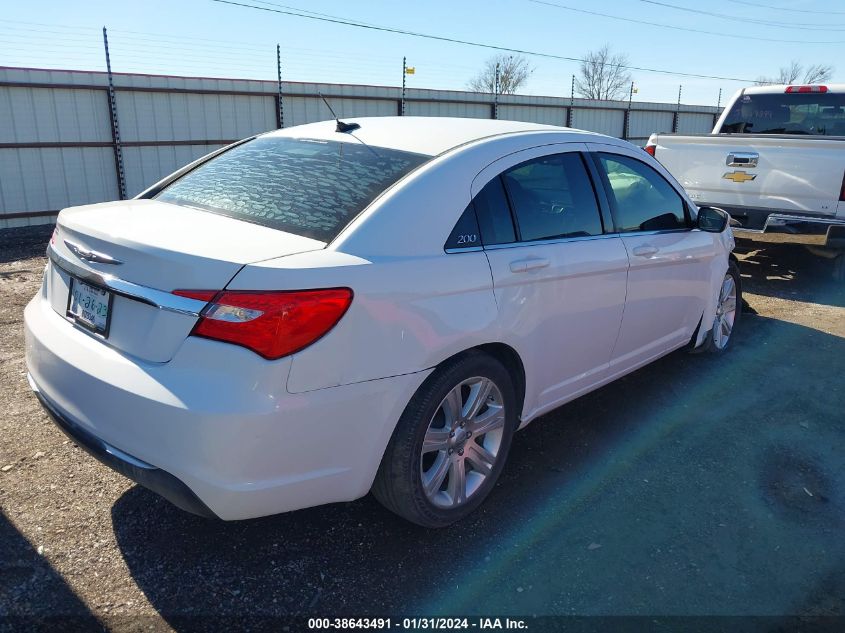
{"points": [[776, 162]]}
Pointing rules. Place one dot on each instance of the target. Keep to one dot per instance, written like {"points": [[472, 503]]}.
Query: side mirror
{"points": [[712, 219]]}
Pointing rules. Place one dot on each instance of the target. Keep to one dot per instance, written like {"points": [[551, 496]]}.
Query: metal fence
{"points": [[64, 141]]}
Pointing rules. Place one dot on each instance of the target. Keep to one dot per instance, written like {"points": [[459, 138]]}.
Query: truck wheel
{"points": [[451, 442], [728, 311], [839, 267]]}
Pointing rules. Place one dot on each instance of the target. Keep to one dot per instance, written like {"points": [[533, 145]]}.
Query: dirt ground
{"points": [[696, 486]]}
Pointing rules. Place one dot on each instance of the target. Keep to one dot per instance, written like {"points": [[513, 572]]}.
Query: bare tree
{"points": [[813, 74], [514, 71], [817, 73], [603, 75], [788, 74]]}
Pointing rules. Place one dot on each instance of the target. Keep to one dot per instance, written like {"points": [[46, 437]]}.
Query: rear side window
{"points": [[821, 113], [466, 233], [553, 197], [494, 215], [312, 188], [642, 199]]}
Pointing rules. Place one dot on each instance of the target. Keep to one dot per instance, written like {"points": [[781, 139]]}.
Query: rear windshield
{"points": [[797, 113], [309, 187]]}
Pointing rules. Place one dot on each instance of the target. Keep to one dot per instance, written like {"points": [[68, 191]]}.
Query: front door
{"points": [[669, 278]]}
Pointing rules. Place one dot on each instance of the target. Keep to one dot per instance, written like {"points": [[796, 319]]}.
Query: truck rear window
{"points": [[816, 113], [308, 187]]}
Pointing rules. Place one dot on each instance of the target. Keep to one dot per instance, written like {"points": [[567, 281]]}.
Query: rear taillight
{"points": [[272, 324], [650, 149], [803, 89]]}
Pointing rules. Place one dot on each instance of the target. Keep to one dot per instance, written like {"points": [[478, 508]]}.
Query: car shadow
{"points": [[687, 487], [788, 272], [33, 595]]}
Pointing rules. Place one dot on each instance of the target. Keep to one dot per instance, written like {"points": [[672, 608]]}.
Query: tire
{"points": [[726, 321], [427, 422], [839, 268]]}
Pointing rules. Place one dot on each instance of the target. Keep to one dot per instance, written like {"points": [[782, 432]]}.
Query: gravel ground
{"points": [[697, 485]]}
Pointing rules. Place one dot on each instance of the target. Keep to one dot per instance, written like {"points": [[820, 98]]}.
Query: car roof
{"points": [[427, 135]]}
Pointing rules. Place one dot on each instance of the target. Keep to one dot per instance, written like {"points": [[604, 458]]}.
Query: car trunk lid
{"points": [[143, 250]]}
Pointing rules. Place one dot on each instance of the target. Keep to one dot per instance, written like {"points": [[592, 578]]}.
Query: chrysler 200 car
{"points": [[377, 304]]}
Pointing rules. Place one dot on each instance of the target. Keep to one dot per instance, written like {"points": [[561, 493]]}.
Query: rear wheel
{"points": [[728, 311], [451, 443]]}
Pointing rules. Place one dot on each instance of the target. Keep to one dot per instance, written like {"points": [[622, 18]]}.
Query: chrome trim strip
{"points": [[156, 298], [467, 249], [561, 240], [586, 238]]}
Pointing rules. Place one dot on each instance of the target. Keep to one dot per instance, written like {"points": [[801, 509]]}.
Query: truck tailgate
{"points": [[798, 174]]}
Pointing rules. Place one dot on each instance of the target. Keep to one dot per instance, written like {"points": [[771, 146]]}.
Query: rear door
{"points": [[668, 280], [559, 278]]}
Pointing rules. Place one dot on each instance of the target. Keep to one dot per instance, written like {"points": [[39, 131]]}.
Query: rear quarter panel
{"points": [[408, 313]]}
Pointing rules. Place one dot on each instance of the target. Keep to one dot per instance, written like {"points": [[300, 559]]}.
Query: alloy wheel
{"points": [[725, 313], [462, 442]]}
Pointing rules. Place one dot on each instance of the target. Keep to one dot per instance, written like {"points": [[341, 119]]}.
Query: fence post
{"points": [[280, 111], [716, 115], [402, 102], [627, 125], [115, 127], [570, 114], [496, 93], [677, 114]]}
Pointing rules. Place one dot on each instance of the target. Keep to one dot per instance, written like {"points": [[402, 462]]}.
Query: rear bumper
{"points": [[139, 471], [790, 228], [214, 430]]}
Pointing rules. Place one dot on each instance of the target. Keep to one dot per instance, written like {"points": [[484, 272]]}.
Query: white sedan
{"points": [[376, 304]]}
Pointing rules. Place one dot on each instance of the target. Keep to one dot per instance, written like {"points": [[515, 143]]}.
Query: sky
{"points": [[730, 39]]}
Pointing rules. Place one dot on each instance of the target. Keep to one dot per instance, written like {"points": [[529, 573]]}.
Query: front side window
{"points": [[642, 199], [308, 187], [553, 197]]}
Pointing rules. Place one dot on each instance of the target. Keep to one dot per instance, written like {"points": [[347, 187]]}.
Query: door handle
{"points": [[646, 250], [531, 263], [742, 159]]}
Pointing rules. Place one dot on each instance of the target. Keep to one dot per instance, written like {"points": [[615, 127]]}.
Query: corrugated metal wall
{"points": [[692, 122], [57, 147], [534, 114], [182, 116], [602, 120]]}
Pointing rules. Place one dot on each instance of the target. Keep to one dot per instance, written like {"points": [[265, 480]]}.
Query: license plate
{"points": [[89, 306]]}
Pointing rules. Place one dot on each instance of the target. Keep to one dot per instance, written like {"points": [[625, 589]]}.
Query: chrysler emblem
{"points": [[91, 256]]}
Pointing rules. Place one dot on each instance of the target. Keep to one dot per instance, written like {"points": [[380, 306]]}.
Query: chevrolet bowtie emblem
{"points": [[739, 176]]}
